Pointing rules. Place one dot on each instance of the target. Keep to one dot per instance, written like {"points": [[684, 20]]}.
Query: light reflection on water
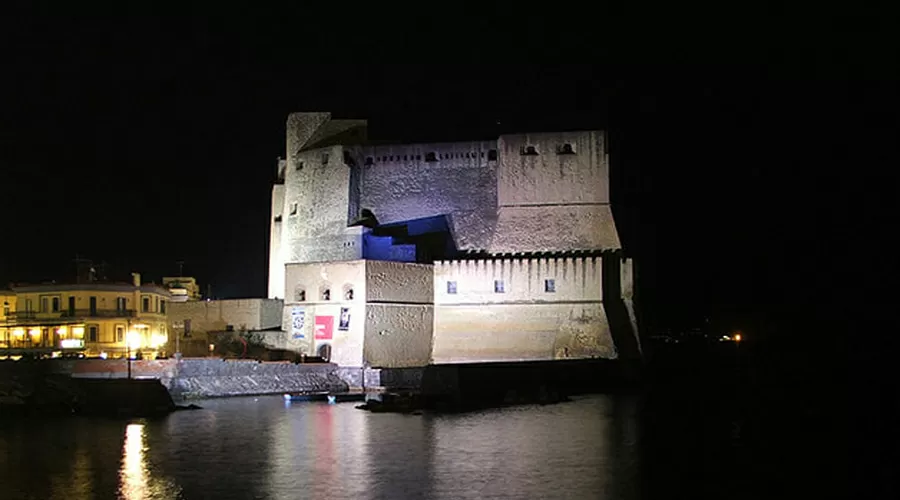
{"points": [[262, 448]]}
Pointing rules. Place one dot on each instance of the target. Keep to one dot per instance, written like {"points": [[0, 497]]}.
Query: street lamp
{"points": [[6, 316]]}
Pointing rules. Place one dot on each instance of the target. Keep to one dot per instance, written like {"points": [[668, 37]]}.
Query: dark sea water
{"points": [[709, 424], [266, 448]]}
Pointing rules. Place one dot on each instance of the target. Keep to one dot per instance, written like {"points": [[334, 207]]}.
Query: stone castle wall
{"points": [[521, 193], [549, 308]]}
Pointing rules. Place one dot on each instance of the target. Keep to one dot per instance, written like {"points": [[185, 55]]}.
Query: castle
{"points": [[396, 255]]}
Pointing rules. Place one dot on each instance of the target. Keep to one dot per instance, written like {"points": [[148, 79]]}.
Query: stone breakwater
{"points": [[194, 378], [218, 378]]}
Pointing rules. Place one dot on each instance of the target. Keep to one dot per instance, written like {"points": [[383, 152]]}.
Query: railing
{"points": [[74, 313]]}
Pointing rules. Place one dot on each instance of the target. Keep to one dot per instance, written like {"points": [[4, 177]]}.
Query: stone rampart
{"points": [[213, 377]]}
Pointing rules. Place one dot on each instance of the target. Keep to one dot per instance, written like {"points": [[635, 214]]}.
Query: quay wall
{"points": [[192, 378]]}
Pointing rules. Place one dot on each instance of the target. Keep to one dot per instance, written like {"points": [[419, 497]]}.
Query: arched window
{"points": [[348, 292], [326, 294], [300, 293]]}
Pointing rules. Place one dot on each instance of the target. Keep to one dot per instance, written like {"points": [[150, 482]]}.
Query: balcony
{"points": [[20, 316]]}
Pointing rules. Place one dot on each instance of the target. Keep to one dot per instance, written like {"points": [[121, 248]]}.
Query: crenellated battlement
{"points": [[425, 155]]}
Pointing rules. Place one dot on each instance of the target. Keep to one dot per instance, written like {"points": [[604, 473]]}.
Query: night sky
{"points": [[749, 174]]}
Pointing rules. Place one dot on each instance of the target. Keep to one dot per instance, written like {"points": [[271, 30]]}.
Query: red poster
{"points": [[324, 325]]}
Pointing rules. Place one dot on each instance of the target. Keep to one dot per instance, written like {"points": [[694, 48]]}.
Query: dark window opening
{"points": [[293, 209], [499, 286], [418, 157], [348, 295], [324, 352], [370, 160], [145, 304], [93, 306], [550, 286], [71, 306], [325, 159], [566, 149], [529, 151], [451, 287], [298, 165], [92, 333], [55, 304], [326, 295], [492, 155], [431, 157], [162, 306]]}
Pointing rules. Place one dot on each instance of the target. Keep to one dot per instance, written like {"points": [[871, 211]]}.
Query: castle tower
{"points": [[311, 198]]}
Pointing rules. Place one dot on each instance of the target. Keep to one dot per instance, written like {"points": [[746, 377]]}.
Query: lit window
{"points": [[451, 287], [550, 286], [499, 286]]}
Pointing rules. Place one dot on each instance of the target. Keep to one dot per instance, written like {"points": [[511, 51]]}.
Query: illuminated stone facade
{"points": [[97, 319], [521, 209]]}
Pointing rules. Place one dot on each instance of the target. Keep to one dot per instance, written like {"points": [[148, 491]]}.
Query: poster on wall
{"points": [[298, 317], [344, 324], [324, 327]]}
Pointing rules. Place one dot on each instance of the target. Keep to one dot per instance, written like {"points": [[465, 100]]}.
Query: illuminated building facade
{"points": [[96, 319], [399, 255], [182, 288]]}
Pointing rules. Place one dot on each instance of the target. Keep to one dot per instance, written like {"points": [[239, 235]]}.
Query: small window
{"points": [[430, 157], [451, 287], [145, 304], [120, 304], [348, 295], [298, 165], [492, 155], [300, 294], [565, 149], [370, 160], [529, 151], [294, 208], [45, 304], [92, 333], [326, 294], [499, 286], [348, 159], [325, 159], [55, 304], [120, 333], [550, 286], [229, 328], [278, 218], [162, 306], [418, 157]]}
